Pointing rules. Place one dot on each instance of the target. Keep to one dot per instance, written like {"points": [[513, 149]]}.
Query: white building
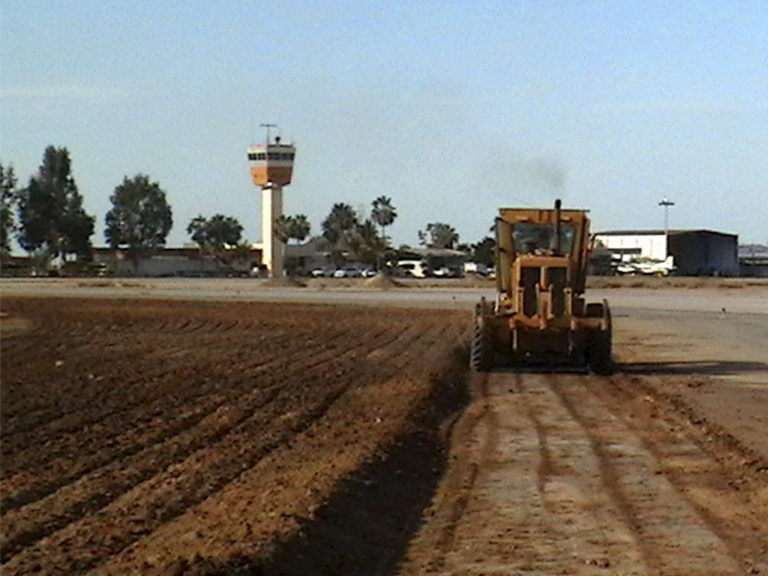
{"points": [[633, 244], [695, 252]]}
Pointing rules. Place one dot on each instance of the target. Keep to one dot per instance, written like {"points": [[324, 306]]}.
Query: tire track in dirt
{"points": [[673, 537], [586, 514], [557, 475], [711, 469]]}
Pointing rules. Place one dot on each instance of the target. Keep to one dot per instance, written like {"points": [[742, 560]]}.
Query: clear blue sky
{"points": [[452, 108]]}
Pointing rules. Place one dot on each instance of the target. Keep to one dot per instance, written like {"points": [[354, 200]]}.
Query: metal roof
{"points": [[660, 232]]}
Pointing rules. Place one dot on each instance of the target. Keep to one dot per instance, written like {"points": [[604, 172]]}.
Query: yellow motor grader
{"points": [[539, 314]]}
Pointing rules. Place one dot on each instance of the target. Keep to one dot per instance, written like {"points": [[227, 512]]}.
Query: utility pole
{"points": [[666, 203]]}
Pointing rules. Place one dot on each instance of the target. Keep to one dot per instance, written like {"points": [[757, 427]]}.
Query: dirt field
{"points": [[660, 469], [200, 438], [170, 437]]}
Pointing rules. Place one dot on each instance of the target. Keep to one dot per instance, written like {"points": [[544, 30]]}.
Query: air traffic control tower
{"points": [[271, 166]]}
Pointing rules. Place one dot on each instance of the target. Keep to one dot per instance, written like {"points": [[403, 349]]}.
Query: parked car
{"points": [[412, 268], [445, 272], [347, 273], [475, 268]]}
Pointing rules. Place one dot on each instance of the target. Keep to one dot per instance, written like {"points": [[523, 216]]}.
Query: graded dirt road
{"points": [[660, 469], [174, 437]]}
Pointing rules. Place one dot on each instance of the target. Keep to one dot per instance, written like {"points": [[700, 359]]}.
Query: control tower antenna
{"points": [[268, 126]]}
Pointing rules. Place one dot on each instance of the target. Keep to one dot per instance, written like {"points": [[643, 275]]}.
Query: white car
{"points": [[445, 272], [347, 273]]}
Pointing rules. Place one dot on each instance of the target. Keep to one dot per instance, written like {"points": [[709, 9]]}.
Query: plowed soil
{"points": [[166, 437], [171, 437]]}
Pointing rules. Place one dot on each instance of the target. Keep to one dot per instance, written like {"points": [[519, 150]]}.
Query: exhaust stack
{"points": [[558, 205]]}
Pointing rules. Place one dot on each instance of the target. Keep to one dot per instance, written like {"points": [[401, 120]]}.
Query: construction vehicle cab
{"points": [[539, 313]]}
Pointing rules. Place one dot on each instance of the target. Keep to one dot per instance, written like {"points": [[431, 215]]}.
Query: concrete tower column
{"points": [[271, 209]]}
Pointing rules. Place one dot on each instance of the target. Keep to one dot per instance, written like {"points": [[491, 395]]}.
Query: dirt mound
{"points": [[382, 281], [286, 282]]}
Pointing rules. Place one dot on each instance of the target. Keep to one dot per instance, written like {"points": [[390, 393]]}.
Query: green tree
{"points": [[483, 251], [51, 214], [216, 235], [337, 227], [383, 214], [439, 235], [299, 228], [292, 227], [366, 244], [140, 218], [339, 224], [7, 205], [242, 252]]}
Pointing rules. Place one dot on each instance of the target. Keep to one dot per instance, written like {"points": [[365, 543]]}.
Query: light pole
{"points": [[666, 203]]}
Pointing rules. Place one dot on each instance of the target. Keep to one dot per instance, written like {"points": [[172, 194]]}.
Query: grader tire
{"points": [[480, 354], [599, 353]]}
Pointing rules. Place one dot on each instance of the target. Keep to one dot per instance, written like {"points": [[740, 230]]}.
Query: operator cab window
{"points": [[540, 239]]}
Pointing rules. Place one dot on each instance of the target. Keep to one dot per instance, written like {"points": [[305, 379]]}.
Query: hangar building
{"points": [[696, 252]]}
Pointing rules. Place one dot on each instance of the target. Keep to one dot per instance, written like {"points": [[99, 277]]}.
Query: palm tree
{"points": [[439, 235], [383, 214], [339, 224], [299, 227], [366, 244], [281, 228], [296, 227], [337, 227]]}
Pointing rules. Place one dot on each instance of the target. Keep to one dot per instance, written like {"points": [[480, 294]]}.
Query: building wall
{"points": [[170, 262], [631, 246], [754, 268], [704, 253], [695, 252]]}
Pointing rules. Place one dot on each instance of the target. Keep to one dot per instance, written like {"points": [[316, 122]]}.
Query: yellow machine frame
{"points": [[540, 313]]}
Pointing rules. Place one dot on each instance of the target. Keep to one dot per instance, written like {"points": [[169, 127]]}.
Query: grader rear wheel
{"points": [[481, 353], [599, 353]]}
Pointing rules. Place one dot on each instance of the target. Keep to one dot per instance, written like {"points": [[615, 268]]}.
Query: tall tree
{"points": [[383, 214], [339, 223], [51, 214], [439, 235], [216, 235], [299, 228], [483, 252], [7, 205], [140, 218], [337, 227], [365, 243], [292, 227]]}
